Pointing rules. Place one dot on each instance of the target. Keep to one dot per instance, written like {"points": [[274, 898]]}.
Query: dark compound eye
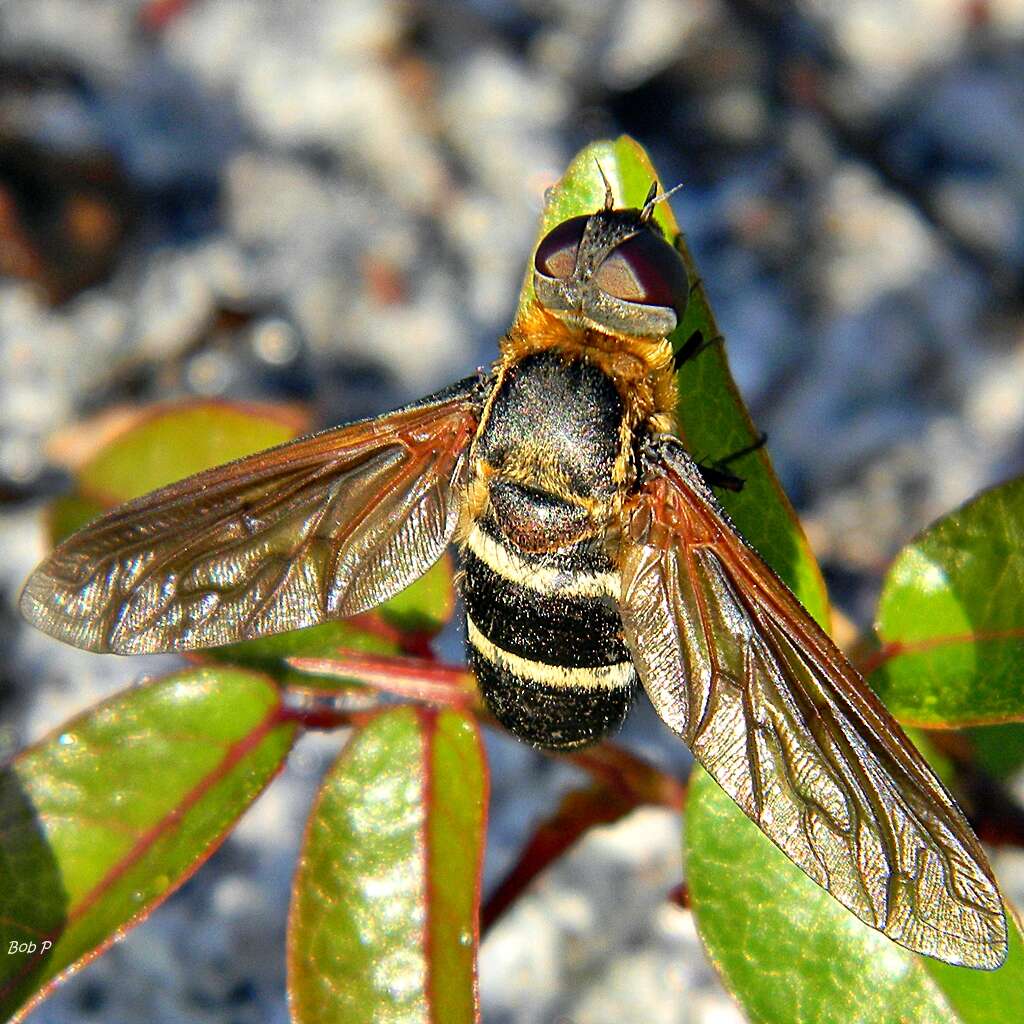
{"points": [[647, 270], [556, 254]]}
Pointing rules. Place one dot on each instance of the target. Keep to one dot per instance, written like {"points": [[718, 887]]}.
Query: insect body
{"points": [[595, 554], [584, 376], [540, 587]]}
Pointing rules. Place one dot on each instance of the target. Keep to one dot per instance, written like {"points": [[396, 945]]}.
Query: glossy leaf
{"points": [[951, 617], [384, 911], [713, 421], [103, 820], [790, 953]]}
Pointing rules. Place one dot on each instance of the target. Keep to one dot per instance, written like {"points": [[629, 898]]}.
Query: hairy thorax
{"points": [[567, 403]]}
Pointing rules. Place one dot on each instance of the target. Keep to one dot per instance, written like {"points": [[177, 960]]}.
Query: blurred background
{"points": [[331, 202]]}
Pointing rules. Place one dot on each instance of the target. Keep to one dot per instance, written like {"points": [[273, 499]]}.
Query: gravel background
{"points": [[331, 202]]}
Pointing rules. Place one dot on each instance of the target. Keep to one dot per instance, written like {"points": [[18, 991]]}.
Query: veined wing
{"points": [[319, 528], [777, 715]]}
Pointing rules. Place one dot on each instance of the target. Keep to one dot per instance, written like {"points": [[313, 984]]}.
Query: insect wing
{"points": [[777, 715], [319, 528]]}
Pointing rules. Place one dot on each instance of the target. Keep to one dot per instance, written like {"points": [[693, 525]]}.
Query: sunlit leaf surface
{"points": [[384, 911], [101, 821], [951, 617]]}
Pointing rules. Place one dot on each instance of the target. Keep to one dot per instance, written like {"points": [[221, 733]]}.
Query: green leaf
{"points": [[100, 822], [426, 605], [177, 441], [384, 911], [167, 444], [997, 749], [713, 421], [790, 953], [951, 617]]}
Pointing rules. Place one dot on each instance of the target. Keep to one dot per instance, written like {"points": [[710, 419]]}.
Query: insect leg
{"points": [[717, 475], [692, 347]]}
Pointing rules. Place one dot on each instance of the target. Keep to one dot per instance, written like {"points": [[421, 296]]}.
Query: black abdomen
{"points": [[549, 660], [544, 637]]}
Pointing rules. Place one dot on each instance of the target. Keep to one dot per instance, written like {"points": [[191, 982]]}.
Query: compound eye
{"points": [[556, 254], [647, 270]]}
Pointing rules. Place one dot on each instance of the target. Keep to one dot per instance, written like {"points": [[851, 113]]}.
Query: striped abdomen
{"points": [[544, 639], [543, 633]]}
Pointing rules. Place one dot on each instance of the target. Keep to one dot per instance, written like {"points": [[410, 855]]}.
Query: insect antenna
{"points": [[654, 197], [609, 197]]}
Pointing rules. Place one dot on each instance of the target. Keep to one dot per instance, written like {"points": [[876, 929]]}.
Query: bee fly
{"points": [[595, 555]]}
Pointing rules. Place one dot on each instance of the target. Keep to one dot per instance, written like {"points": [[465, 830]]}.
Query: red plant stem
{"points": [[680, 896], [415, 643], [619, 770], [578, 812], [322, 717], [622, 783], [414, 678]]}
